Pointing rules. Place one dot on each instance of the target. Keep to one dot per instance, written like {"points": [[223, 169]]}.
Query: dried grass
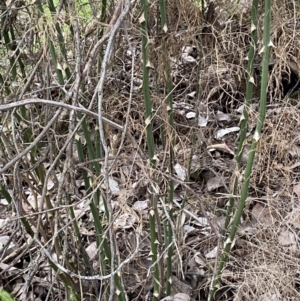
{"points": [[260, 266]]}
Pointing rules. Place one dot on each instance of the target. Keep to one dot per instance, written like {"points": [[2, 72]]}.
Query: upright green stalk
{"points": [[8, 41], [262, 112], [163, 15], [60, 38], [169, 100], [244, 121], [100, 239], [103, 20], [17, 53], [147, 100], [150, 144]]}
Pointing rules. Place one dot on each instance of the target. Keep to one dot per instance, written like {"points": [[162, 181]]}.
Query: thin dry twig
{"points": [[95, 277]]}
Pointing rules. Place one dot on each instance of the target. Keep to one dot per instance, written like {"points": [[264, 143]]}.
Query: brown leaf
{"points": [[181, 297], [296, 189], [214, 183]]}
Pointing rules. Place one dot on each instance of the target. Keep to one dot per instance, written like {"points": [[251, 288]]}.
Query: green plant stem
{"points": [[244, 121], [150, 145], [255, 140]]}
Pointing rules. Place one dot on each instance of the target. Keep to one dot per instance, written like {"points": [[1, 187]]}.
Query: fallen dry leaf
{"points": [[181, 297], [263, 214], [214, 183], [296, 189], [288, 240]]}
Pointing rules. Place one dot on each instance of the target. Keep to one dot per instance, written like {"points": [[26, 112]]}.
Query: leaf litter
{"points": [[264, 261]]}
